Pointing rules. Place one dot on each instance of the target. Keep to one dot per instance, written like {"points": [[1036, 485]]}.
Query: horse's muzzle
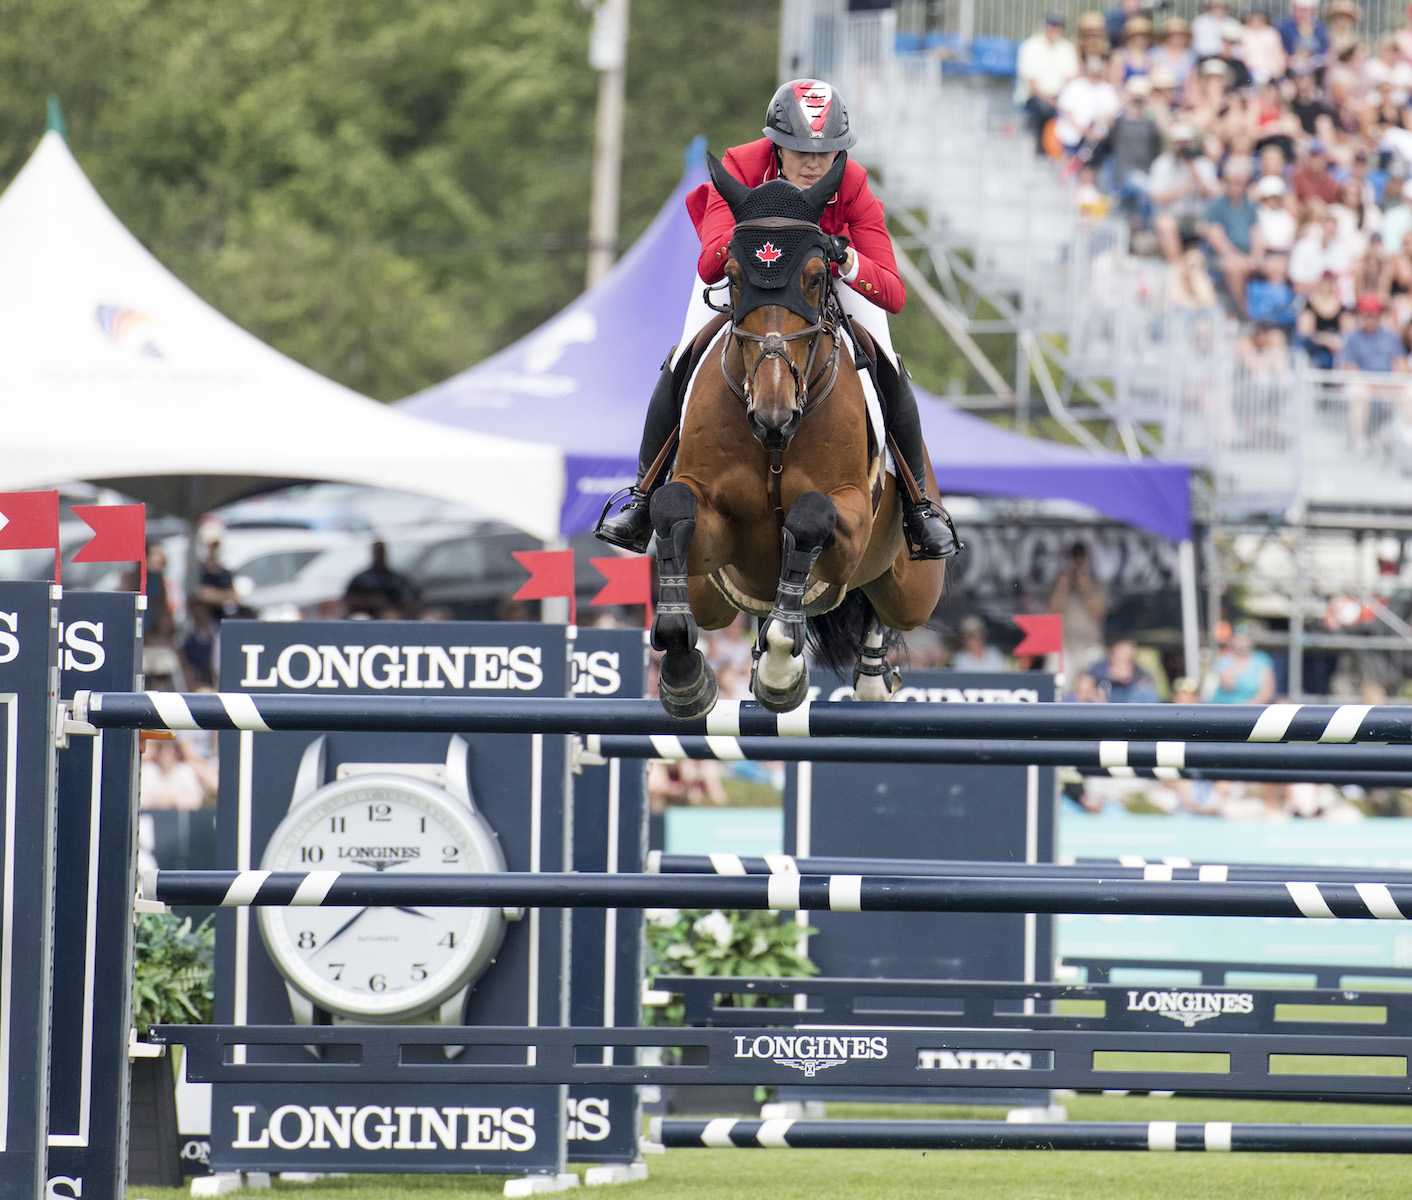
{"points": [[774, 430]]}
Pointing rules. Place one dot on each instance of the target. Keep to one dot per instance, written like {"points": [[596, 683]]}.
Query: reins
{"points": [[810, 390]]}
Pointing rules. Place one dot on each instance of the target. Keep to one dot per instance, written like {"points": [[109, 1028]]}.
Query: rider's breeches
{"points": [[864, 311]]}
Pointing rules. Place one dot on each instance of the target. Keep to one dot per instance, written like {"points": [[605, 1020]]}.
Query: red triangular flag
{"points": [[119, 535], [30, 521], [1044, 634], [629, 581], [551, 575]]}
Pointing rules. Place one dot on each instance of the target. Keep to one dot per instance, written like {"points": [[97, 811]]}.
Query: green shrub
{"points": [[173, 969]]}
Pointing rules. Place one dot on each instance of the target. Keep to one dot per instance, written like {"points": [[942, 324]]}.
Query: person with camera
{"points": [[1081, 600], [1181, 183]]}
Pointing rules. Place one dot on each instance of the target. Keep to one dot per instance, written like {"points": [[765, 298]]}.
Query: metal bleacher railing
{"points": [[1115, 355]]}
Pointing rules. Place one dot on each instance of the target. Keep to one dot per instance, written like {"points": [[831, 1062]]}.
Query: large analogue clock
{"points": [[382, 963]]}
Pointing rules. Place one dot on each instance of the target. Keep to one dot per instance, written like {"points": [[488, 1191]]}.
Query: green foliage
{"points": [[700, 941], [174, 966], [386, 192]]}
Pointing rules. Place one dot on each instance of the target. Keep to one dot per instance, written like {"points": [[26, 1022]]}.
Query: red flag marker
{"points": [[629, 581], [551, 576], [30, 521], [119, 535], [1044, 634]]}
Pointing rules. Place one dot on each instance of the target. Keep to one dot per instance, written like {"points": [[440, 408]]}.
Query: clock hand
{"points": [[415, 913], [342, 929]]}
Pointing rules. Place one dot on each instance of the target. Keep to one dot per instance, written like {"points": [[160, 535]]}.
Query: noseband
{"points": [[807, 389]]}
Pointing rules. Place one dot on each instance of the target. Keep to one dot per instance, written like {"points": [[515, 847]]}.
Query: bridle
{"points": [[807, 390]]}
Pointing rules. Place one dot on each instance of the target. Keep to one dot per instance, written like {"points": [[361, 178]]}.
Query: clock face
{"points": [[382, 962]]}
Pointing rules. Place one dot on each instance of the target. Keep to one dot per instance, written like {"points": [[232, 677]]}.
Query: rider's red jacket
{"points": [[854, 212]]}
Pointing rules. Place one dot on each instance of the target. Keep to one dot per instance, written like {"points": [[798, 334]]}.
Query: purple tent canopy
{"points": [[581, 381]]}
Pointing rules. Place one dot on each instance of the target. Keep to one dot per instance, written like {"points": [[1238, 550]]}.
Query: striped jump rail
{"points": [[727, 1133], [1129, 867], [1367, 765], [1339, 725], [784, 893]]}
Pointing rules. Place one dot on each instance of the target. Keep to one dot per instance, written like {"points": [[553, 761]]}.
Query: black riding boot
{"points": [[632, 527], [926, 525]]}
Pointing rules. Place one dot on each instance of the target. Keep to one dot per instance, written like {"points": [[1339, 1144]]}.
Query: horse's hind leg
{"points": [[874, 678], [781, 679], [686, 685]]}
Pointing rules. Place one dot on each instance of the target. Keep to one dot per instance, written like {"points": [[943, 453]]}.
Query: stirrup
{"points": [[631, 528], [918, 512]]}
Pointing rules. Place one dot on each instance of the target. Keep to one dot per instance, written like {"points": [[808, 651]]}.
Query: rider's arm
{"points": [[876, 277]]}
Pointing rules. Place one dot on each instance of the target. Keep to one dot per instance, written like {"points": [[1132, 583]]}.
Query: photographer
{"points": [[1080, 599], [1181, 183]]}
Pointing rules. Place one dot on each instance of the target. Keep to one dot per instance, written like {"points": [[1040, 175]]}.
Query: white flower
{"points": [[665, 917], [715, 925]]}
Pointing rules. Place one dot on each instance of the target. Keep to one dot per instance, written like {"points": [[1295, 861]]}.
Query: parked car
{"points": [[467, 572]]}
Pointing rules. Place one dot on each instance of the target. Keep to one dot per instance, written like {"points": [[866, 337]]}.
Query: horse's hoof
{"points": [[696, 693], [781, 701]]}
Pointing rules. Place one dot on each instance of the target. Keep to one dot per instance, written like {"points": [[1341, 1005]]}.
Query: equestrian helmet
{"points": [[807, 115]]}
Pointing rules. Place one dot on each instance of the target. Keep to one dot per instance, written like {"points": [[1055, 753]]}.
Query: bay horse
{"points": [[778, 505]]}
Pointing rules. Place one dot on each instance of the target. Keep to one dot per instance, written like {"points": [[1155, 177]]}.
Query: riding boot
{"points": [[632, 527], [925, 523]]}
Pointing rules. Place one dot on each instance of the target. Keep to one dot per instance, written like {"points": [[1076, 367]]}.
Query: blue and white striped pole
{"points": [[1339, 725], [785, 893], [1220, 1136]]}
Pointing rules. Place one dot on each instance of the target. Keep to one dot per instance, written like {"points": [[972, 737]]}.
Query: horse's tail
{"points": [[836, 636]]}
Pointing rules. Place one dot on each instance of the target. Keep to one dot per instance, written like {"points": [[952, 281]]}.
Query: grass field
{"points": [[972, 1175]]}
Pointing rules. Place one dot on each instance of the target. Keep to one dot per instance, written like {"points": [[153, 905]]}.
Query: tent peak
{"points": [[54, 119]]}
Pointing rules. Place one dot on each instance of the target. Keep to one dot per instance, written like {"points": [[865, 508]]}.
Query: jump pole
{"points": [[785, 864], [783, 893], [1340, 724], [1369, 765], [728, 1133]]}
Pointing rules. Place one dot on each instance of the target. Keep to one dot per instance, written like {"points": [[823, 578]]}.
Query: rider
{"points": [[805, 127]]}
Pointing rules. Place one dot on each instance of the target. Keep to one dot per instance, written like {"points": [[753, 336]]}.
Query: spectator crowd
{"points": [[1263, 154]]}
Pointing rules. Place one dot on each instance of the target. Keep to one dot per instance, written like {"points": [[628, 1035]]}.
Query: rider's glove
{"points": [[838, 248]]}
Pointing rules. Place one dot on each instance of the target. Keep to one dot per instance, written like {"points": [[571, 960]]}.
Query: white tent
{"points": [[112, 370]]}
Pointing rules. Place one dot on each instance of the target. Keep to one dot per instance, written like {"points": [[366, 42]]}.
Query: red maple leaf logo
{"points": [[767, 253]]}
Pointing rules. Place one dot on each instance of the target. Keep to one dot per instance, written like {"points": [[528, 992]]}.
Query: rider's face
{"points": [[805, 170]]}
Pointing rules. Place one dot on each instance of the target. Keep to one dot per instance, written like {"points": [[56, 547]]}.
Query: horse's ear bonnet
{"points": [[772, 258]]}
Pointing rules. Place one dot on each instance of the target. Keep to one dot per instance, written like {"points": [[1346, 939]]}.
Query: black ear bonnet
{"points": [[770, 248]]}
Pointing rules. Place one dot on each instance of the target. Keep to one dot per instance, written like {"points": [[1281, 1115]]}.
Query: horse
{"points": [[778, 505]]}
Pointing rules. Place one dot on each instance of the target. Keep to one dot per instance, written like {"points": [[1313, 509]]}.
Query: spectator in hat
{"points": [[1341, 17], [1134, 54], [1086, 107], [1166, 99], [1370, 345], [1174, 50], [1261, 48], [1132, 145], [975, 652], [1305, 37], [1206, 29], [1232, 56], [1046, 62], [1312, 177], [1092, 36], [1117, 18], [1241, 674], [1232, 231], [1319, 252], [1277, 223], [1181, 183]]}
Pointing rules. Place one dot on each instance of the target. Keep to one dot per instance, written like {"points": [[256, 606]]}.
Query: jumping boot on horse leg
{"points": [[874, 678], [925, 524], [631, 528], [686, 684], [780, 677]]}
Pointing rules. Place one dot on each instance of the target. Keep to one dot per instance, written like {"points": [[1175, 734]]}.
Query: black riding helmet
{"points": [[807, 115]]}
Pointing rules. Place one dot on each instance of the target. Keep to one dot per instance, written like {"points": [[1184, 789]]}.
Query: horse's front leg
{"points": [[686, 683], [781, 678]]}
